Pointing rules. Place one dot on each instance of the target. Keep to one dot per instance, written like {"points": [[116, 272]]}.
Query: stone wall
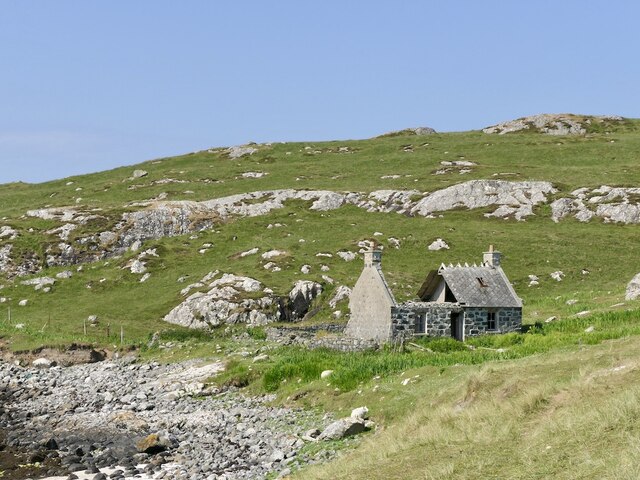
{"points": [[508, 319], [438, 319], [320, 336]]}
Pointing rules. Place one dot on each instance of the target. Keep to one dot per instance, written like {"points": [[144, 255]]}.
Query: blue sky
{"points": [[87, 86]]}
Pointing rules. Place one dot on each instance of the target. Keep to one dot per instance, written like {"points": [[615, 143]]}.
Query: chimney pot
{"points": [[373, 258]]}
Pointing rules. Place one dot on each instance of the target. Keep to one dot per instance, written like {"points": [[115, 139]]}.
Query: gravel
{"points": [[92, 416]]}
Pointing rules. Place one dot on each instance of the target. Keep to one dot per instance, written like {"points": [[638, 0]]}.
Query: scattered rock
{"points": [[152, 444], [138, 267], [23, 303], [341, 293], [8, 232], [346, 256], [254, 174], [326, 373], [138, 174], [260, 358], [305, 269], [39, 283], [557, 275], [273, 254], [342, 428], [252, 251], [589, 329], [240, 151], [42, 363], [438, 244]]}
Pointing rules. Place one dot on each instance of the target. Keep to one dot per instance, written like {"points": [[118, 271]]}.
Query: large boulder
{"points": [[300, 298], [345, 427], [227, 301], [633, 288]]}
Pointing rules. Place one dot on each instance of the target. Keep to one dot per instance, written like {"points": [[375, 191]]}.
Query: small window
{"points": [[420, 325], [491, 321], [481, 282]]}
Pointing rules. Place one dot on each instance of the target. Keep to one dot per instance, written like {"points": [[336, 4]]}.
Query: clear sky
{"points": [[88, 85]]}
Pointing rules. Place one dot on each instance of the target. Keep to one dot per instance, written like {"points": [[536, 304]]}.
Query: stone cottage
{"points": [[454, 301]]}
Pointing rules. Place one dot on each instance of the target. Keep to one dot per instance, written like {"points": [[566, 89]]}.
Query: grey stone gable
{"points": [[482, 286]]}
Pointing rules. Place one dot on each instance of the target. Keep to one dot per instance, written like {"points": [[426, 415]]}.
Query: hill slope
{"points": [[443, 185], [102, 259]]}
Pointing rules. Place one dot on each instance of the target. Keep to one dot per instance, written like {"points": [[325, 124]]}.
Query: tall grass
{"points": [[351, 369]]}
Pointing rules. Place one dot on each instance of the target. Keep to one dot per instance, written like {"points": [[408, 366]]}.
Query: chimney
{"points": [[373, 258], [492, 257]]}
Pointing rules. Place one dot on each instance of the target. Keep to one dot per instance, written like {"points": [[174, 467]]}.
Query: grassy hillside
{"points": [[537, 246], [569, 414], [556, 401]]}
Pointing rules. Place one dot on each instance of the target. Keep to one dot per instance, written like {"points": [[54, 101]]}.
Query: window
{"points": [[420, 325], [482, 282], [491, 321]]}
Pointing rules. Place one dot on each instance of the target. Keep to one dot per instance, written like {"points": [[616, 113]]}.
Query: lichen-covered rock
{"points": [[39, 283], [345, 427], [302, 295], [519, 196], [341, 293], [438, 244], [612, 204], [7, 232], [226, 302], [633, 288], [551, 124], [240, 151]]}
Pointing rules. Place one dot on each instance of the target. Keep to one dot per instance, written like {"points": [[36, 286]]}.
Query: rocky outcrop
{"points": [[300, 298], [172, 218], [552, 124], [8, 233], [515, 199], [409, 131], [611, 204], [230, 299], [240, 151], [633, 288], [236, 299]]}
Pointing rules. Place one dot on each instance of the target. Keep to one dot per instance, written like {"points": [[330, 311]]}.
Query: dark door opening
{"points": [[457, 326]]}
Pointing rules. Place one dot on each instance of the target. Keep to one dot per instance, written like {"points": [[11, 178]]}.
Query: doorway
{"points": [[457, 326]]}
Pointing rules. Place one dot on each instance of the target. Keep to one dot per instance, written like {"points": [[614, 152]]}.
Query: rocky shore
{"points": [[151, 420]]}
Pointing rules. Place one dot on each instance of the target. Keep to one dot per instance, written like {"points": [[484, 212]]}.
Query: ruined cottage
{"points": [[454, 301]]}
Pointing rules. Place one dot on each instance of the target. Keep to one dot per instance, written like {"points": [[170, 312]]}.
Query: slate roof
{"points": [[476, 286]]}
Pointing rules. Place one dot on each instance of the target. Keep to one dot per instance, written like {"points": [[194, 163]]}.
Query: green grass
{"points": [[300, 366], [568, 414]]}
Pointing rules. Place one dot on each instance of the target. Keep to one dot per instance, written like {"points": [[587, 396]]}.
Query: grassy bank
{"points": [[569, 414]]}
